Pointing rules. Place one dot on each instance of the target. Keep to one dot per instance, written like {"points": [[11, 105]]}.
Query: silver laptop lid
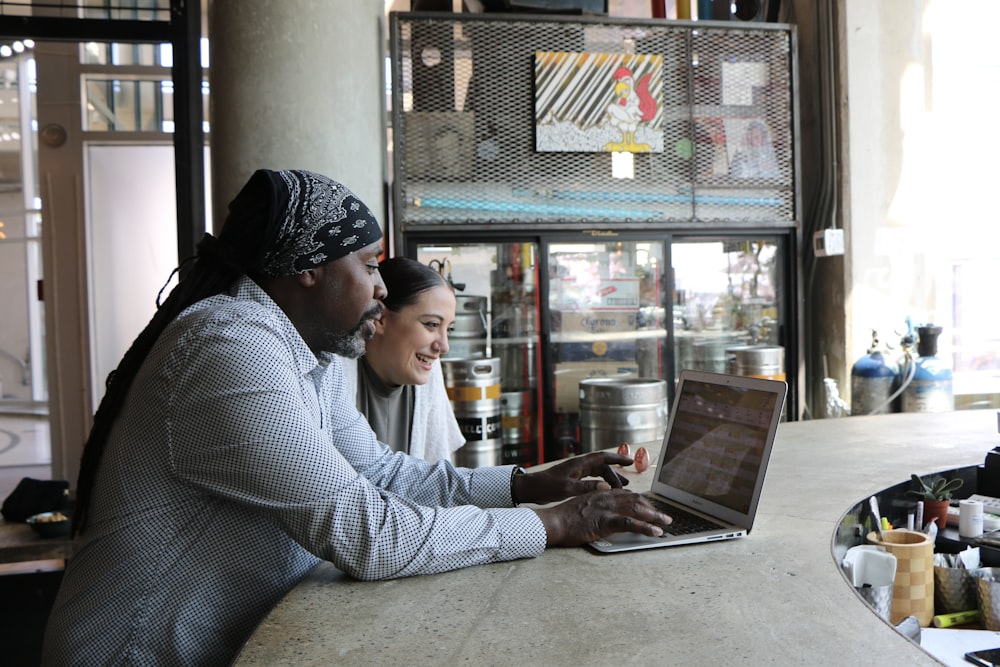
{"points": [[718, 442]]}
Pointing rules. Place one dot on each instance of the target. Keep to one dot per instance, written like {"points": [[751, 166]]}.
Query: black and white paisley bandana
{"points": [[323, 221]]}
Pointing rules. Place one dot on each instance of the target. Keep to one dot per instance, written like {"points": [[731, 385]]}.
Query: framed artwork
{"points": [[711, 156], [439, 144], [742, 82], [598, 102], [750, 148]]}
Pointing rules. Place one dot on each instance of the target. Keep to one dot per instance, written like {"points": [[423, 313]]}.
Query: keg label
{"points": [[479, 428], [474, 393], [514, 422]]}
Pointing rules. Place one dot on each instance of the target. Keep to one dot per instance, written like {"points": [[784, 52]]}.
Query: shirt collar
{"points": [[246, 289]]}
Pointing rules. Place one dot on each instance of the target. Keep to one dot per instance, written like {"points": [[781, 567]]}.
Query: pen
{"points": [[873, 502], [920, 515], [614, 481]]}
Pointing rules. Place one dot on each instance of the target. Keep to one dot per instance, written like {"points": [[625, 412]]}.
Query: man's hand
{"points": [[592, 516], [566, 479]]}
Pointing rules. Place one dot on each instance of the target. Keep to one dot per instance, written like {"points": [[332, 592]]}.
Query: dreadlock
{"points": [[249, 231]]}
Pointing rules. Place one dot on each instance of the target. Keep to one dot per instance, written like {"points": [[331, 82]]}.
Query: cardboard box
{"points": [[596, 350], [607, 294], [569, 374], [593, 321]]}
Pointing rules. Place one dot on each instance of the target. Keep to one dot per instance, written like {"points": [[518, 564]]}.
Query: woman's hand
{"points": [[567, 478]]}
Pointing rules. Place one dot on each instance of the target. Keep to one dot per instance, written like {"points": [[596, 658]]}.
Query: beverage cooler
{"points": [[557, 310], [582, 246]]}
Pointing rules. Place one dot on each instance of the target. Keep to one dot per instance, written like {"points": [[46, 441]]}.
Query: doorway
{"points": [[24, 426], [94, 204]]}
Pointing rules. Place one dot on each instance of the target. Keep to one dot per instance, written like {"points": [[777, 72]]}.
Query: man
{"points": [[227, 459]]}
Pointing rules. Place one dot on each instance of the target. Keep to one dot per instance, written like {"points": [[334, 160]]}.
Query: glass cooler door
{"points": [[606, 320], [555, 311], [497, 316], [729, 306]]}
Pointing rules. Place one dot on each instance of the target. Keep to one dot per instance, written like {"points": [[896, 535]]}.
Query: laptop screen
{"points": [[716, 442]]}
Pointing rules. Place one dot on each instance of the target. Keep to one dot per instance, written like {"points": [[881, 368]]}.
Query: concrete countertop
{"points": [[774, 597]]}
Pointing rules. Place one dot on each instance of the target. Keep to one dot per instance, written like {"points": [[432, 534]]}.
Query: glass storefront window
{"points": [[124, 55], [121, 105], [726, 295], [129, 88], [22, 332], [137, 10]]}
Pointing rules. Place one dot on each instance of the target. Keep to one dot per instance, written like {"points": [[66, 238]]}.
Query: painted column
{"points": [[297, 84]]}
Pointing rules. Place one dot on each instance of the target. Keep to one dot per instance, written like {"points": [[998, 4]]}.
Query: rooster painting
{"points": [[632, 104], [598, 102]]}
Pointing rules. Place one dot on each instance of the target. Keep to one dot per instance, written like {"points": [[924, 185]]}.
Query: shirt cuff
{"points": [[522, 534], [490, 486]]}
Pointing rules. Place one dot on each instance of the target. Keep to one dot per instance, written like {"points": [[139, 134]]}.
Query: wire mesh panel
{"points": [[581, 121]]}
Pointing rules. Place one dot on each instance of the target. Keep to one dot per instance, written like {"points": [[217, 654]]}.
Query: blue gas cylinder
{"points": [[872, 382], [930, 390]]}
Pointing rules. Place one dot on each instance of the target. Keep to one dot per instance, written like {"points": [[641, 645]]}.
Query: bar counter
{"points": [[774, 597], [19, 543]]}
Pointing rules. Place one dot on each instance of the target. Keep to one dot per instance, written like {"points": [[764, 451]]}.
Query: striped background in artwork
{"points": [[577, 87]]}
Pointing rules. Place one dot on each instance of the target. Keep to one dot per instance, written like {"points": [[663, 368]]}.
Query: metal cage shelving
{"points": [[478, 121], [504, 156]]}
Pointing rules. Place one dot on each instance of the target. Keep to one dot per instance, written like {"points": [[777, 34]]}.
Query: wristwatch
{"points": [[518, 470]]}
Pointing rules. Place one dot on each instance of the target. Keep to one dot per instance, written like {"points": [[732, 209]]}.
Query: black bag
{"points": [[34, 496]]}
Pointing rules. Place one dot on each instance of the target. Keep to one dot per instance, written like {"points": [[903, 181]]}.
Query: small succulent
{"points": [[935, 489]]}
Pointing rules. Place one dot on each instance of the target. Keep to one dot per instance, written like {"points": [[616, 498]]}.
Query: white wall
{"points": [[131, 245]]}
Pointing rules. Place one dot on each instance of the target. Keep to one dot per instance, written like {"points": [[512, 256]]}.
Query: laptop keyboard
{"points": [[685, 522]]}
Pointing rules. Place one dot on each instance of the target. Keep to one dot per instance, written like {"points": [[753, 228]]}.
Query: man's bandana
{"points": [[323, 221]]}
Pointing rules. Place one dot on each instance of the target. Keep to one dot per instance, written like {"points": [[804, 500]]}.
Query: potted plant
{"points": [[936, 494]]}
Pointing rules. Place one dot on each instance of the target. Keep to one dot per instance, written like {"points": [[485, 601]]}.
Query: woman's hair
{"points": [[405, 279], [250, 229]]}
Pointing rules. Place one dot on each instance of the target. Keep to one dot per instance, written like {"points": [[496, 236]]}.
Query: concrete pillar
{"points": [[297, 84]]}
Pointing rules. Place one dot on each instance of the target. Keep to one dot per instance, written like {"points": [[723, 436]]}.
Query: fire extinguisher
{"points": [[873, 379]]}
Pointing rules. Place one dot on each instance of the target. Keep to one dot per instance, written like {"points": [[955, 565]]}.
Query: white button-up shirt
{"points": [[237, 462]]}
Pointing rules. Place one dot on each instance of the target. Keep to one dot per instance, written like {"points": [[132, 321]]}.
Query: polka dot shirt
{"points": [[238, 462]]}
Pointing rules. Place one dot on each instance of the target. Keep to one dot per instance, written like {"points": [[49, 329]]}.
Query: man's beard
{"points": [[351, 344]]}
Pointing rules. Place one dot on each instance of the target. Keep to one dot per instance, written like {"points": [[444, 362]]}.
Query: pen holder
{"points": [[988, 590], [913, 588], [879, 598], [954, 590]]}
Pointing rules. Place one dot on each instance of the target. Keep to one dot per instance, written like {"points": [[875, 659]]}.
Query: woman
{"points": [[398, 383]]}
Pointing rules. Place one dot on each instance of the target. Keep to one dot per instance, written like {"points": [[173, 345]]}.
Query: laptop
{"points": [[713, 459]]}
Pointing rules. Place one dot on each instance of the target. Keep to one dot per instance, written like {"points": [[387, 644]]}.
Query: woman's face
{"points": [[407, 341]]}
